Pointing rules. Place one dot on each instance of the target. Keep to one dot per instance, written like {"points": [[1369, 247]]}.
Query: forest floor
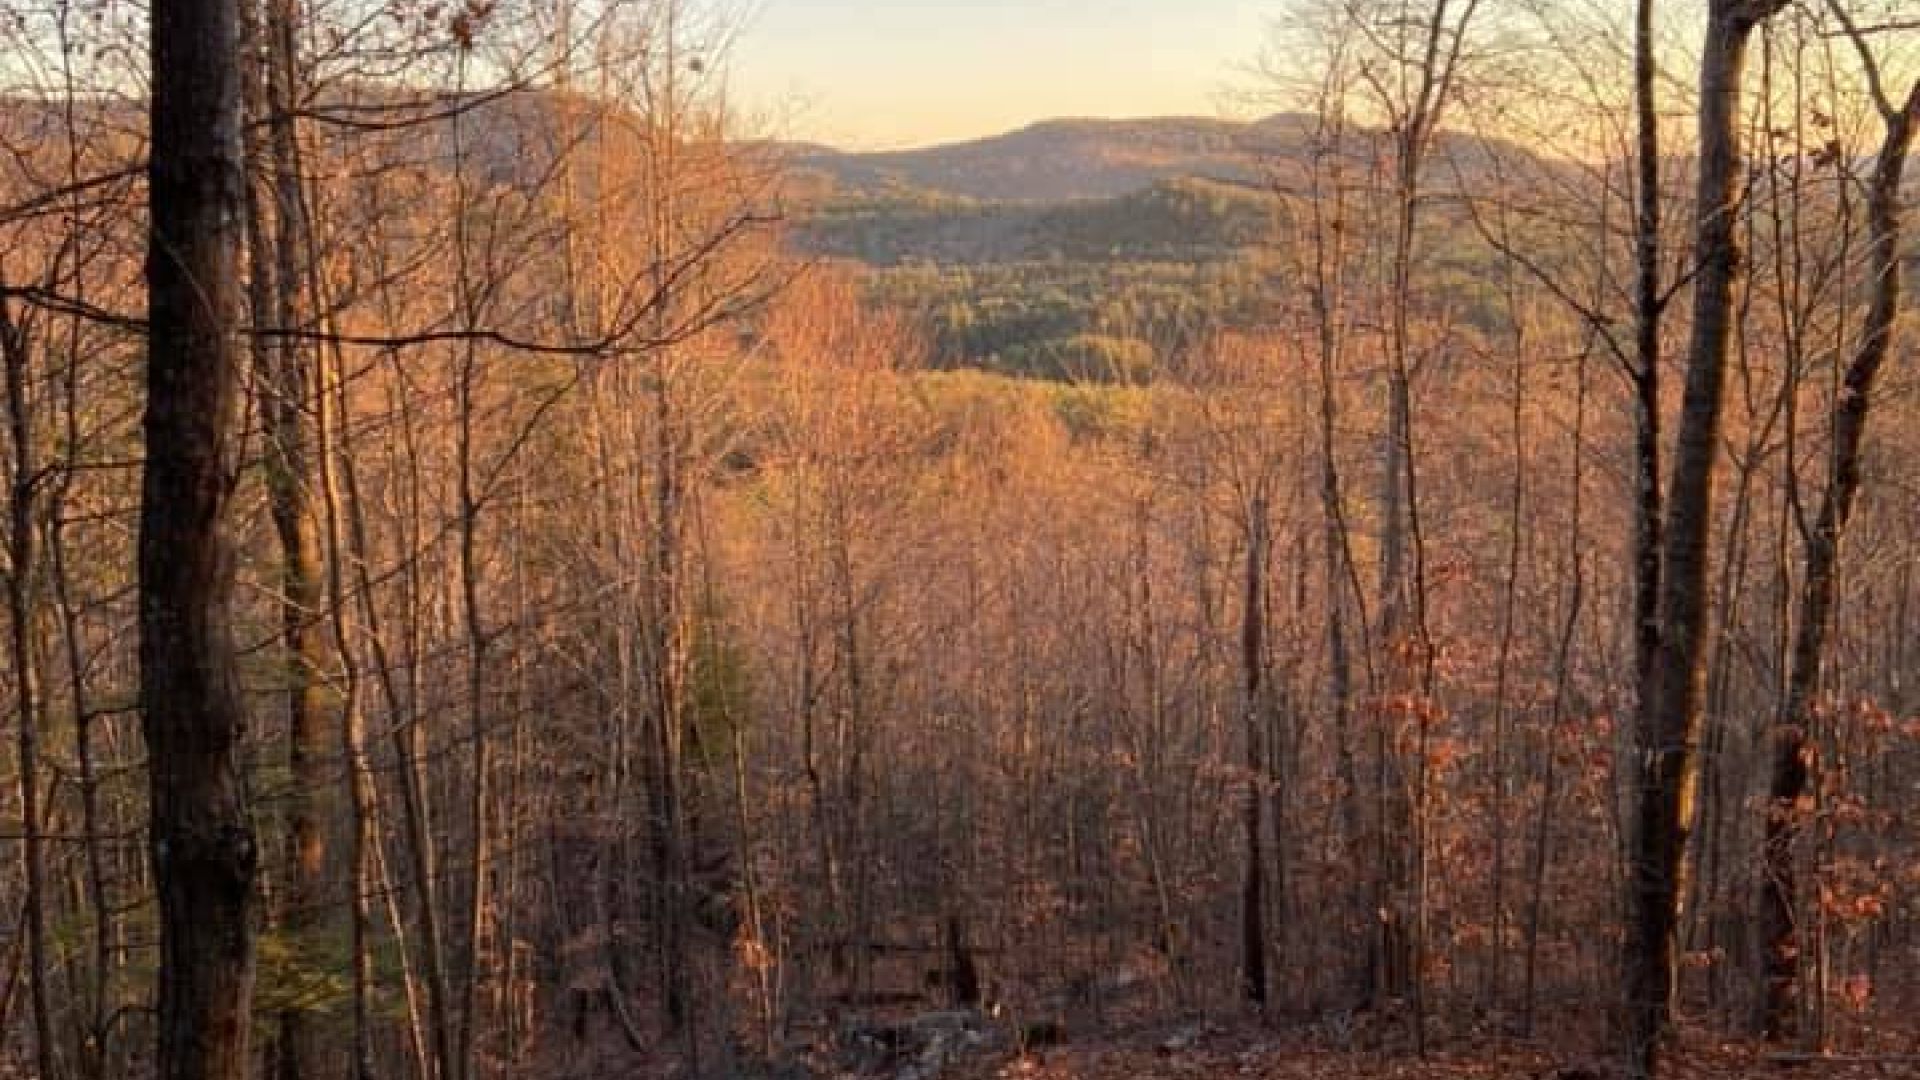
{"points": [[963, 1045], [1217, 1052]]}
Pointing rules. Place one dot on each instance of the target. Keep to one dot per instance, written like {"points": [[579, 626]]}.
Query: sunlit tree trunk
{"points": [[1670, 714], [278, 291]]}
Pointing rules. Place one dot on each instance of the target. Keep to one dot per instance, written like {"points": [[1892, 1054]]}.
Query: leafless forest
{"points": [[481, 604]]}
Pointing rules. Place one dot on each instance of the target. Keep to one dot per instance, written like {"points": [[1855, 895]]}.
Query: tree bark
{"points": [[1670, 718], [202, 844], [1648, 308]]}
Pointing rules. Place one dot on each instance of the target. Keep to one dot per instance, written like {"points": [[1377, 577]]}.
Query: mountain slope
{"points": [[1057, 160], [1062, 160], [1184, 219], [1111, 249]]}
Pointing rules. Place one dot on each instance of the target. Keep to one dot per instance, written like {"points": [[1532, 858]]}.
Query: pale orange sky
{"points": [[878, 75]]}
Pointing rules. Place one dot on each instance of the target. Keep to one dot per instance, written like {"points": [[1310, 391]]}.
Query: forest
{"points": [[511, 571]]}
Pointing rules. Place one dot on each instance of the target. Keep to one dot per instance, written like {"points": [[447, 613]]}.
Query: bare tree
{"points": [[1669, 721], [23, 533], [1793, 749]]}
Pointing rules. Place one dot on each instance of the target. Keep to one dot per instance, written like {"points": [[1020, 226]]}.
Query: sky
{"points": [[887, 74]]}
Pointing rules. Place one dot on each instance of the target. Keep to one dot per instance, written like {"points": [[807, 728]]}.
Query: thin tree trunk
{"points": [[407, 738], [1253, 928], [23, 557], [278, 286], [97, 1060], [348, 546], [1649, 304], [473, 913], [1509, 596], [330, 409], [1790, 778], [1403, 588], [1328, 294], [1562, 679], [480, 748], [95, 1050]]}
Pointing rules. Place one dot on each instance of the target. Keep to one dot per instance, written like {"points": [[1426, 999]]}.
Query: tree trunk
{"points": [[1556, 717], [1791, 773], [479, 791], [1328, 297], [1253, 901], [278, 286], [1648, 305], [97, 1058], [193, 716], [408, 739], [1670, 718], [22, 557]]}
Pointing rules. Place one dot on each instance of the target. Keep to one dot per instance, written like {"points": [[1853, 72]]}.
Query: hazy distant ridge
{"points": [[1057, 160]]}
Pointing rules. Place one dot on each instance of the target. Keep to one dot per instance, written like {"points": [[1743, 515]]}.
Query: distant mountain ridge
{"points": [[1114, 248], [1063, 160], [1060, 160]]}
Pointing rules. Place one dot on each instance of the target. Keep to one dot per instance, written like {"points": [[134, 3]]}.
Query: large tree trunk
{"points": [[1791, 775], [202, 844], [1670, 717]]}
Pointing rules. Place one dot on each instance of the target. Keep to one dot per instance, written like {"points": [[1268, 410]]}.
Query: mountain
{"points": [[1062, 160], [1058, 160], [1100, 249], [1182, 219]]}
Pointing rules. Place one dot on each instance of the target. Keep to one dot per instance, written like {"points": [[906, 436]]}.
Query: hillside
{"points": [[1068, 159], [1105, 249], [1182, 219]]}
